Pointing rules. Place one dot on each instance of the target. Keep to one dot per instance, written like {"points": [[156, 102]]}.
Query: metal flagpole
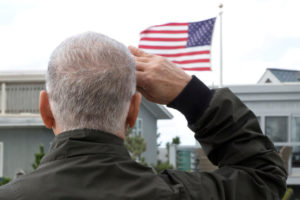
{"points": [[221, 47]]}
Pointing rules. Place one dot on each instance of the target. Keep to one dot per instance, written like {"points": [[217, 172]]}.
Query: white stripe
{"points": [[193, 57], [173, 28], [154, 43], [173, 51], [164, 35], [195, 65]]}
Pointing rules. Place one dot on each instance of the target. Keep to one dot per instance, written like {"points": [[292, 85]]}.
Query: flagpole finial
{"points": [[221, 6]]}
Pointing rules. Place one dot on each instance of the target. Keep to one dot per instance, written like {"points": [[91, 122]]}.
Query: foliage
{"points": [[4, 180], [38, 157], [176, 140], [288, 194], [136, 146], [168, 150], [161, 166]]}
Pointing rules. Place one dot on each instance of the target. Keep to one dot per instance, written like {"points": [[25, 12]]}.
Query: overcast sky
{"points": [[257, 34]]}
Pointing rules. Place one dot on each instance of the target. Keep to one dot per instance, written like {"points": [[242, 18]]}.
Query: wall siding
{"points": [[149, 134], [20, 145]]}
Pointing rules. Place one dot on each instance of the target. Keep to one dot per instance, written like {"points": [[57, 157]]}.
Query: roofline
{"points": [[270, 74], [22, 76], [157, 110], [280, 69]]}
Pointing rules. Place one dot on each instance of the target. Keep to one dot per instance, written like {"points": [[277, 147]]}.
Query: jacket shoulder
{"points": [[9, 191]]}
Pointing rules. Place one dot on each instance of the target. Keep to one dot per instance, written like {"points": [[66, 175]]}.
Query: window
{"points": [[268, 81], [296, 156], [138, 127], [23, 97], [0, 97], [1, 159], [276, 128], [295, 129]]}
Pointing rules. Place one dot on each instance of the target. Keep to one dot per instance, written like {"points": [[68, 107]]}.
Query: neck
{"points": [[58, 131]]}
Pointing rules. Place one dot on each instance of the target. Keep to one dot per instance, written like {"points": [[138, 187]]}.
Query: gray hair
{"points": [[90, 81]]}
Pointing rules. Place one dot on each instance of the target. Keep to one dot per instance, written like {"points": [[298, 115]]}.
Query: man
{"points": [[90, 102]]}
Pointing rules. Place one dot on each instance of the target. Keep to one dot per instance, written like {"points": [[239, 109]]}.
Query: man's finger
{"points": [[136, 51], [142, 59], [140, 66]]}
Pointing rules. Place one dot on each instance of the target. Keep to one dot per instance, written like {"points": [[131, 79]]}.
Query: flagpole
{"points": [[221, 47]]}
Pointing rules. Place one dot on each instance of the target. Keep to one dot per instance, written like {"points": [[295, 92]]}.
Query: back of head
{"points": [[90, 81]]}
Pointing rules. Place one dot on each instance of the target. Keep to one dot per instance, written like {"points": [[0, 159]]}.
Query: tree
{"points": [[161, 166], [38, 157], [136, 146], [4, 180], [176, 140]]}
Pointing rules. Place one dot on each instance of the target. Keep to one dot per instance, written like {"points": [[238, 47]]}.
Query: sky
{"points": [[257, 34]]}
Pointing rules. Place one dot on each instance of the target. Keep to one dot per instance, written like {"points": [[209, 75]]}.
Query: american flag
{"points": [[186, 44]]}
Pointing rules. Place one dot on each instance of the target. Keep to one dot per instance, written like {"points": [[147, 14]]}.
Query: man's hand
{"points": [[158, 79]]}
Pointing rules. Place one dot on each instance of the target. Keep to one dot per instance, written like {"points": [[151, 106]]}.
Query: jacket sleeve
{"points": [[8, 192], [229, 133]]}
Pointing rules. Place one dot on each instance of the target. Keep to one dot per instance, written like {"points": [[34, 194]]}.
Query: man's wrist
{"points": [[193, 100]]}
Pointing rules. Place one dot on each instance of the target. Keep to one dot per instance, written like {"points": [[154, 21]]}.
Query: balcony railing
{"points": [[19, 98]]}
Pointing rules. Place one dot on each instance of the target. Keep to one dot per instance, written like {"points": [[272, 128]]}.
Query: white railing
{"points": [[19, 98]]}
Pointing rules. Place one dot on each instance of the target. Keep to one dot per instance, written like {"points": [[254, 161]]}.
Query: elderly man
{"points": [[90, 102]]}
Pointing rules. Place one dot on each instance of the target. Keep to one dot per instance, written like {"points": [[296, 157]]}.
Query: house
{"points": [[277, 76], [184, 157], [22, 130], [275, 100]]}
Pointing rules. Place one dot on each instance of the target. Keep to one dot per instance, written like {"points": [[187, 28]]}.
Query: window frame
{"points": [[138, 127], [1, 158], [288, 127]]}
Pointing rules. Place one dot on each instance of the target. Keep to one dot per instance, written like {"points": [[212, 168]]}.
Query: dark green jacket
{"points": [[90, 164]]}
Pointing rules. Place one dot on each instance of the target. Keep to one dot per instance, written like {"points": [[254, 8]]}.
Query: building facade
{"points": [[22, 130], [277, 107]]}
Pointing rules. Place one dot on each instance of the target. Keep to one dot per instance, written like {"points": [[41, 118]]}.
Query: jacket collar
{"points": [[82, 142]]}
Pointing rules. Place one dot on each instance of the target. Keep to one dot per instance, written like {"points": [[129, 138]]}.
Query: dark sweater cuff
{"points": [[193, 100]]}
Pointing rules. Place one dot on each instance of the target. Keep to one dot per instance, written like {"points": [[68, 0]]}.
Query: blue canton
{"points": [[200, 33]]}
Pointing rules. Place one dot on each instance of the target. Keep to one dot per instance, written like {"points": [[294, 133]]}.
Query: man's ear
{"points": [[133, 109], [45, 110]]}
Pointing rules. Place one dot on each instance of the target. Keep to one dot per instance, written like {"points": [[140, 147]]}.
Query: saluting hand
{"points": [[158, 79]]}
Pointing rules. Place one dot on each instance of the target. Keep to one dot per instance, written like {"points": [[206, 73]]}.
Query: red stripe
{"points": [[196, 68], [192, 61], [160, 47], [185, 54], [172, 24], [164, 39], [165, 31]]}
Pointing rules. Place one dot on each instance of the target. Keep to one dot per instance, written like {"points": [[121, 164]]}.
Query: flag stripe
{"points": [[192, 65], [164, 39], [185, 54], [164, 31], [175, 51], [156, 35], [172, 24], [192, 61], [161, 43], [161, 47], [169, 28], [191, 57]]}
